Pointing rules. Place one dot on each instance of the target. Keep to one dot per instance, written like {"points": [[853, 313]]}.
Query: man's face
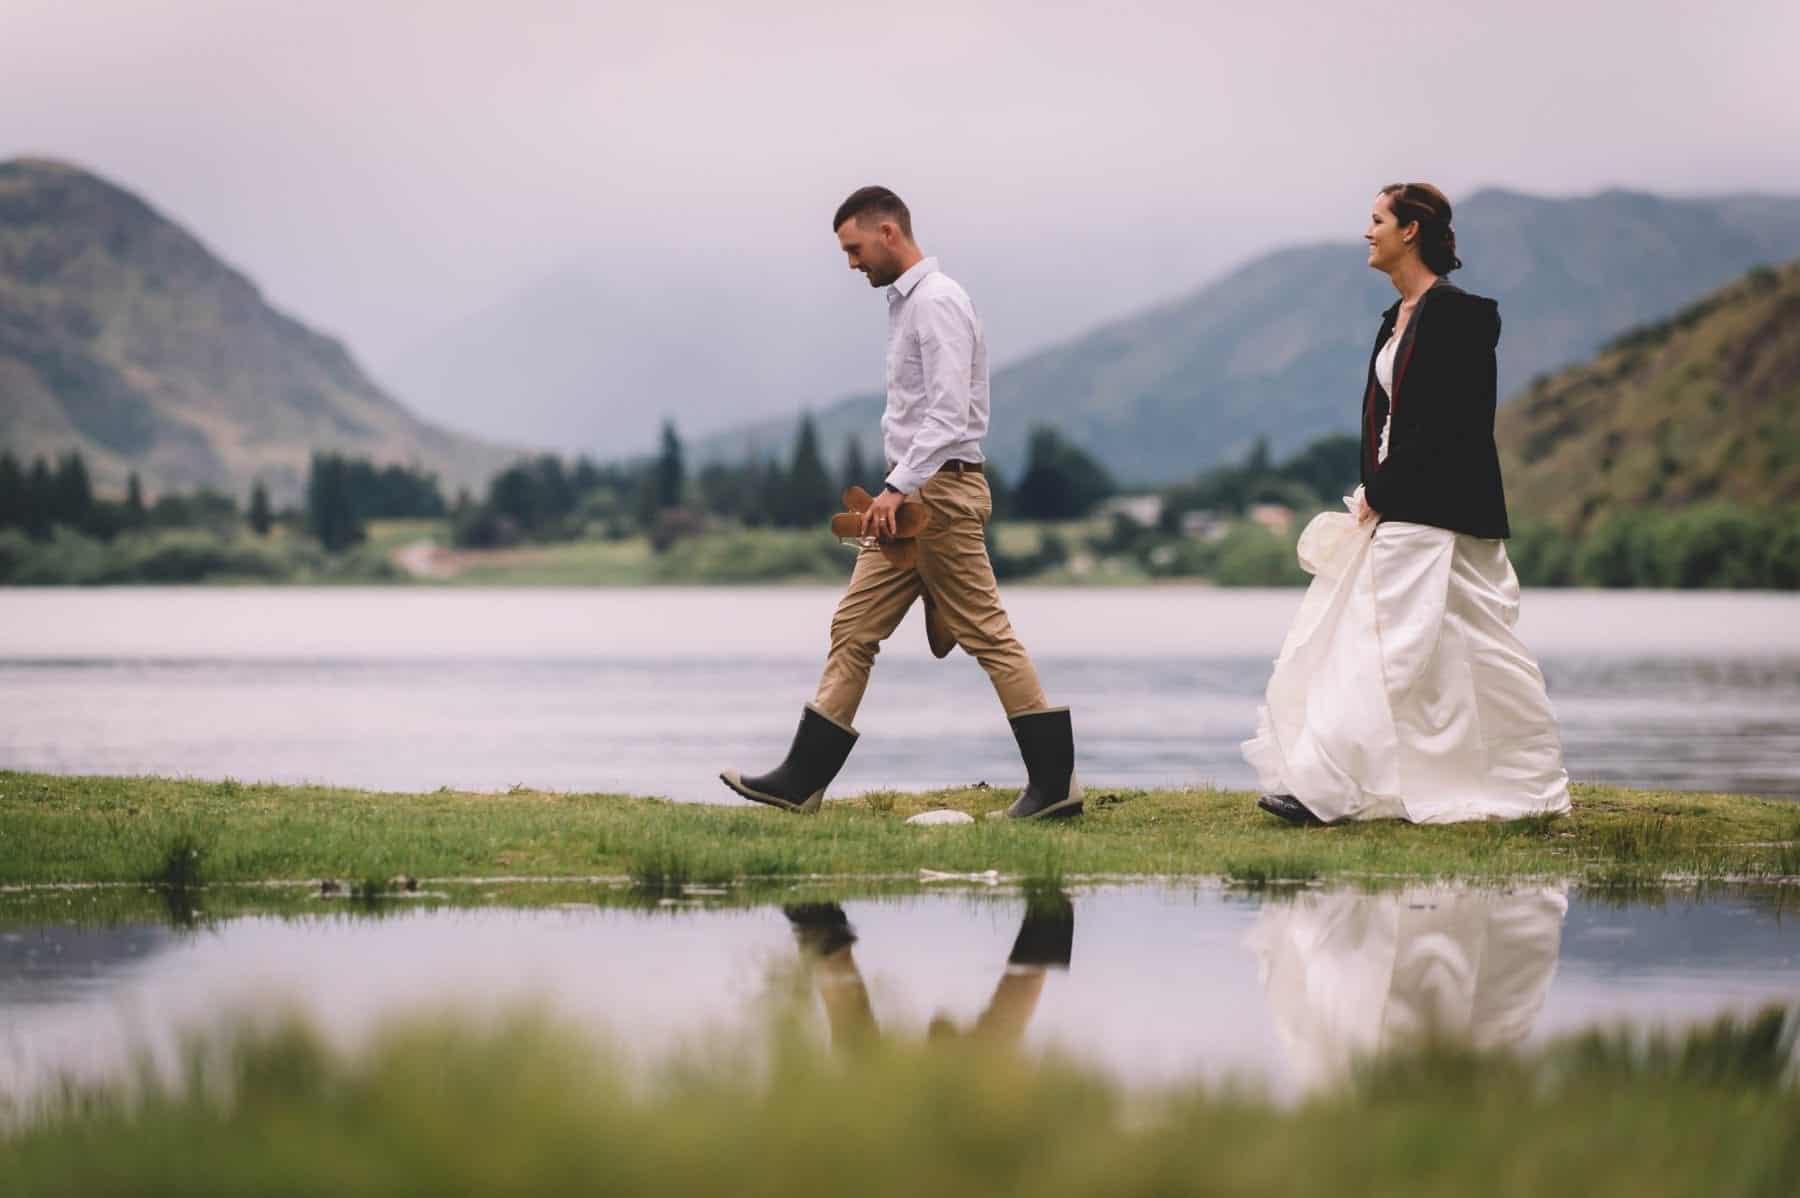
{"points": [[873, 248]]}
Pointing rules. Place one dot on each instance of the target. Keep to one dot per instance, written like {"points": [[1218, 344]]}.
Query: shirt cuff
{"points": [[906, 479]]}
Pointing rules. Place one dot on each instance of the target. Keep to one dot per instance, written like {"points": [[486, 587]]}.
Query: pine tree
{"points": [[261, 517], [330, 507], [671, 475], [40, 500], [1257, 464], [1061, 481], [12, 491], [134, 500], [72, 503], [808, 498], [856, 474]]}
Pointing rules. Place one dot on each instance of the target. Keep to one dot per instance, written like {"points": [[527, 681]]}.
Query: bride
{"points": [[1401, 691]]}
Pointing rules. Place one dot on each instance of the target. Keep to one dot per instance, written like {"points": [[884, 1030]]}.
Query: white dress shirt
{"points": [[937, 377]]}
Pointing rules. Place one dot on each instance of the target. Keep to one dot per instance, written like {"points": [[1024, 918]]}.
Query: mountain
{"points": [[1704, 405], [1278, 348], [122, 336], [597, 355]]}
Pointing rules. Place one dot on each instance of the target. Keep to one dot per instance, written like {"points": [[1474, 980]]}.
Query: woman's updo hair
{"points": [[1431, 208]]}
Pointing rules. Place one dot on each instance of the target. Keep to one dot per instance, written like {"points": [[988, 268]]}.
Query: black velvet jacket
{"points": [[1442, 466]]}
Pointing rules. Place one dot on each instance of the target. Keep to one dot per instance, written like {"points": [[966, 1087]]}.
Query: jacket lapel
{"points": [[1374, 409]]}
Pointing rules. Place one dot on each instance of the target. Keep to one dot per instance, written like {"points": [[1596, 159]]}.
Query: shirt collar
{"points": [[903, 286]]}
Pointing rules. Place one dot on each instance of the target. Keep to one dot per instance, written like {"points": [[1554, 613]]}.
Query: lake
{"points": [[652, 691]]}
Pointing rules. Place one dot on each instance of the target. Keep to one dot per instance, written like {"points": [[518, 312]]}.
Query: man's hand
{"points": [[878, 521]]}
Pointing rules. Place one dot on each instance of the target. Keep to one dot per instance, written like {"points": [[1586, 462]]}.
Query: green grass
{"points": [[577, 563], [183, 834], [441, 1106]]}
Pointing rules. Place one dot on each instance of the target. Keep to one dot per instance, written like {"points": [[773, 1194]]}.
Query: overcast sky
{"points": [[390, 171]]}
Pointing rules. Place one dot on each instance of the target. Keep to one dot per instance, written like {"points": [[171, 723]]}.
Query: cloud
{"points": [[387, 171]]}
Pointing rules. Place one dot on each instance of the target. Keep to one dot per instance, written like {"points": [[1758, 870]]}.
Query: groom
{"points": [[937, 413]]}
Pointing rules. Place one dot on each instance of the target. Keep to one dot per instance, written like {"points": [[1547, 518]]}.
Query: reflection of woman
{"points": [[1401, 691], [1352, 975]]}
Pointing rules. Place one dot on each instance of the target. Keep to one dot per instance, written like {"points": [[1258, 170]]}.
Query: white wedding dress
{"points": [[1401, 691]]}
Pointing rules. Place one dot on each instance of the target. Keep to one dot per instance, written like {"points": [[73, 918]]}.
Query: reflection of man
{"points": [[1349, 976], [937, 415], [1045, 941]]}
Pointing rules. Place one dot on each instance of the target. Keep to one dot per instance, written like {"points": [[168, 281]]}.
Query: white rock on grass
{"points": [[927, 818]]}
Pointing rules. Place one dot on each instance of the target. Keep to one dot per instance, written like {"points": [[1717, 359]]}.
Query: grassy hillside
{"points": [[1703, 406], [122, 336], [1278, 348]]}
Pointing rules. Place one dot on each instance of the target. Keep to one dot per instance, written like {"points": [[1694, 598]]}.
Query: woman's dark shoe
{"points": [[1289, 808], [821, 746], [1047, 743]]}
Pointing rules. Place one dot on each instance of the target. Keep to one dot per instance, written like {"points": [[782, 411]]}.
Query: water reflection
{"points": [[1175, 982], [1045, 941], [1351, 976]]}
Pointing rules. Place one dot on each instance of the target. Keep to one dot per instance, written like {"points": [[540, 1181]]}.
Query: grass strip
{"points": [[183, 834]]}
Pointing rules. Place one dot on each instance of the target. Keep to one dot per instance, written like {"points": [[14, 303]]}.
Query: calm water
{"points": [[1149, 983], [653, 691]]}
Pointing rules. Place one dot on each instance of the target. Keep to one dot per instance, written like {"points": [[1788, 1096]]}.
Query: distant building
{"points": [[1203, 525], [1275, 517], [1142, 510]]}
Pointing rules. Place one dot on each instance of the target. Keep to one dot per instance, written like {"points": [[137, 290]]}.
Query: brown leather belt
{"points": [[960, 468]]}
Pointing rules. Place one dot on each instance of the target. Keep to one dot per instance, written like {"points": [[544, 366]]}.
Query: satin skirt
{"points": [[1401, 691]]}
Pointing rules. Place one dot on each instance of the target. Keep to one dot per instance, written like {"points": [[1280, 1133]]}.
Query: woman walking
{"points": [[1401, 691]]}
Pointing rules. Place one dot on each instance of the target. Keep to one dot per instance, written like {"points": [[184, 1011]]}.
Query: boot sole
{"points": [[735, 781], [1068, 808]]}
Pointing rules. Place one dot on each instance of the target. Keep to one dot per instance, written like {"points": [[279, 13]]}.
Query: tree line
{"points": [[545, 499], [1715, 545], [341, 495]]}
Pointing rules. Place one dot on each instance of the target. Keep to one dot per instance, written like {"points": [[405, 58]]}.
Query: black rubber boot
{"points": [[1047, 743], [1292, 810], [821, 746]]}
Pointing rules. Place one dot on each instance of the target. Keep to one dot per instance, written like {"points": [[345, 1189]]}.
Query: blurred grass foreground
{"points": [[521, 1106]]}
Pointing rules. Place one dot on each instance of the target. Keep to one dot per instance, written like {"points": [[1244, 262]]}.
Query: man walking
{"points": [[937, 414]]}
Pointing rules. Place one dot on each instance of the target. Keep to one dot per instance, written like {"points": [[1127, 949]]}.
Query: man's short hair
{"points": [[877, 202]]}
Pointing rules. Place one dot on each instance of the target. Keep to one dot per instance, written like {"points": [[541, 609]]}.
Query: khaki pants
{"points": [[954, 570]]}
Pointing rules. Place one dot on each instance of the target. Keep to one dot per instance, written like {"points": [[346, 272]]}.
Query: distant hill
{"points": [[122, 336], [1278, 348], [1705, 405]]}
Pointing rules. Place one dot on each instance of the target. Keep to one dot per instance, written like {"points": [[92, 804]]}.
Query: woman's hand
{"points": [[1359, 507]]}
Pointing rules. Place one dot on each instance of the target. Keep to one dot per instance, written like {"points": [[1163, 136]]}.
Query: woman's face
{"points": [[1388, 244]]}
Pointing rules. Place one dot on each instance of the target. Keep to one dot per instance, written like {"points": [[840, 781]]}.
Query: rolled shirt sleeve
{"points": [[946, 330]]}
